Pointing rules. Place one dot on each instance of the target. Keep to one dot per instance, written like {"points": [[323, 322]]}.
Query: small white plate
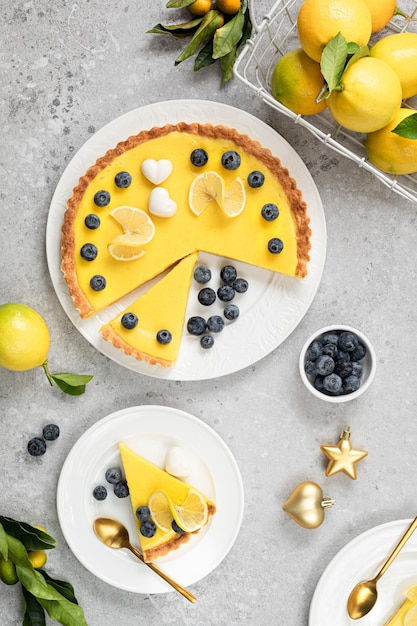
{"points": [[274, 304], [361, 559], [150, 431]]}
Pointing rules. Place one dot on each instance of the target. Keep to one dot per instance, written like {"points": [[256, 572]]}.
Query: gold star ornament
{"points": [[342, 457]]}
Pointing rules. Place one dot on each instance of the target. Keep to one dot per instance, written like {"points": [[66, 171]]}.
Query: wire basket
{"points": [[275, 35]]}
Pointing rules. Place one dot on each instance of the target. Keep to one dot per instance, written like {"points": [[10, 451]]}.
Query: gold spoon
{"points": [[113, 534], [364, 595]]}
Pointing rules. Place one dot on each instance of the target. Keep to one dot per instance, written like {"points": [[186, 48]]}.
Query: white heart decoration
{"points": [[160, 203], [156, 171]]}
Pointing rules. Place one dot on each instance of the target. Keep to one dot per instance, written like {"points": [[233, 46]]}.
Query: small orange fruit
{"points": [[230, 7], [200, 7]]}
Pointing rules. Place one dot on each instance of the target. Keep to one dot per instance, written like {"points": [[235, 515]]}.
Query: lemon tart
{"points": [[406, 614], [145, 480], [150, 329]]}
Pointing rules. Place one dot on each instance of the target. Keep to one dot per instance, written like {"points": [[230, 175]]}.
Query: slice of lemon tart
{"points": [[172, 503], [406, 614], [150, 328]]}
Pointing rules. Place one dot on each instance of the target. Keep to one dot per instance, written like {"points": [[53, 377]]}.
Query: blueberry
{"points": [[37, 446], [88, 252], [330, 337], [129, 320], [123, 180], [92, 221], [275, 245], [215, 324], [148, 528], [231, 312], [230, 160], [199, 157], [310, 368], [240, 285], [176, 528], [202, 274], [113, 475], [330, 349], [332, 383], [98, 283], [357, 369], [343, 368], [196, 325], [270, 212], [341, 360], [206, 296], [50, 432], [358, 353], [228, 274], [163, 337], [102, 198], [351, 383], [100, 492], [324, 365], [348, 341], [206, 342], [226, 293], [121, 490], [314, 350], [318, 383], [143, 513], [256, 179]]}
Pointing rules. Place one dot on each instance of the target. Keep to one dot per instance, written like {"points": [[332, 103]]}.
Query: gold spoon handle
{"points": [[162, 574], [406, 536]]}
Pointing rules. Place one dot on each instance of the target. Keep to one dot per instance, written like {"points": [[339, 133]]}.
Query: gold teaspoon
{"points": [[114, 535], [364, 595]]}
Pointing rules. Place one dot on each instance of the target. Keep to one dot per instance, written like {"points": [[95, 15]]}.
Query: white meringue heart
{"points": [[160, 203], [156, 171], [177, 463]]}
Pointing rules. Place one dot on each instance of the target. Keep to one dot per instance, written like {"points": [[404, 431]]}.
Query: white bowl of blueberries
{"points": [[337, 363]]}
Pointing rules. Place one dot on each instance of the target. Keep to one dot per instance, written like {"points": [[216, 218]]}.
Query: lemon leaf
{"points": [[358, 53], [71, 384], [333, 61], [204, 57], [31, 537], [178, 4], [33, 612], [227, 63], [228, 36], [407, 128], [211, 21], [179, 31]]}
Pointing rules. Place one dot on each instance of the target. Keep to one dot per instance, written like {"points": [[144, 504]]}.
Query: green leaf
{"points": [[333, 61], [211, 21], [226, 63], [178, 4], [179, 31], [246, 30], [359, 53], [32, 538], [4, 548], [34, 614], [228, 36], [65, 588], [204, 57], [407, 128], [35, 583], [72, 384], [64, 612]]}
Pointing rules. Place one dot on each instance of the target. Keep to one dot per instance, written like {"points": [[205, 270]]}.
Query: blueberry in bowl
{"points": [[337, 363]]}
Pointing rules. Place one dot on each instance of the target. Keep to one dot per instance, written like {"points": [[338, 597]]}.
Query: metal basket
{"points": [[275, 35]]}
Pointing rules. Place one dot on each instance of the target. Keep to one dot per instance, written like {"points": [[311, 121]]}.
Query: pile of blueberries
{"points": [[37, 445], [114, 477], [333, 362], [231, 285]]}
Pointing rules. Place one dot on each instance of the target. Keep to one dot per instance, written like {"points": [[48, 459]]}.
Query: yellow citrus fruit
{"points": [[230, 7], [206, 189], [318, 21], [200, 7], [411, 593], [135, 221], [296, 82], [369, 98], [381, 12], [390, 152], [37, 558], [400, 52], [410, 618], [160, 511], [122, 250], [192, 514], [8, 572], [234, 198], [24, 338]]}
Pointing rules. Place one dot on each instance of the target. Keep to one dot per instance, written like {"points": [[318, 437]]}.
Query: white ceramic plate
{"points": [[274, 304], [150, 431], [359, 560]]}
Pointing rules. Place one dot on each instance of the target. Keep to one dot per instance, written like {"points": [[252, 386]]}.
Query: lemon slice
{"points": [[410, 618], [207, 188], [125, 251], [192, 514], [135, 221], [160, 510], [234, 198], [411, 593]]}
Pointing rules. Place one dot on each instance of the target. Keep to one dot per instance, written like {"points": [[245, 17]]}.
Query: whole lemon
{"points": [[24, 337], [390, 152], [369, 96], [296, 81], [381, 11], [37, 558], [8, 572], [318, 21], [400, 52]]}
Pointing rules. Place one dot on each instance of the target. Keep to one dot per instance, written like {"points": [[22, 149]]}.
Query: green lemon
{"points": [[24, 337], [8, 572]]}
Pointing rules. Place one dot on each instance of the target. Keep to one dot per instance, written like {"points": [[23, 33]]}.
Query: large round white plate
{"points": [[359, 560], [150, 431], [274, 304]]}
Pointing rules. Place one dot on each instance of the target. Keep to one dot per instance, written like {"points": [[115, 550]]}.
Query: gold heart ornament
{"points": [[306, 505]]}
